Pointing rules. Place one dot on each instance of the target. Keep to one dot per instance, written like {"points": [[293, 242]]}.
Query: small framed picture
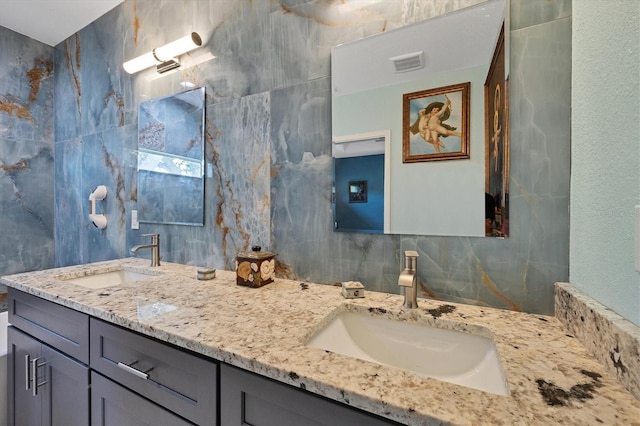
{"points": [[358, 191], [435, 124]]}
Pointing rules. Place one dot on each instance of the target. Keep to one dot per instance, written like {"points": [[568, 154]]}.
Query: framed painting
{"points": [[497, 144], [435, 124], [358, 191]]}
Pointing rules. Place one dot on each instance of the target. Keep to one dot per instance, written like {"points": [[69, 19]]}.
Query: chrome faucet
{"points": [[154, 246], [409, 280]]}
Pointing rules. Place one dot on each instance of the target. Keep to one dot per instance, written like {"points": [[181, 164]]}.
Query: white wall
{"points": [[605, 175], [449, 193]]}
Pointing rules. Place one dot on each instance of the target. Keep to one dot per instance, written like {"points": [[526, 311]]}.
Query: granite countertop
{"points": [[551, 377]]}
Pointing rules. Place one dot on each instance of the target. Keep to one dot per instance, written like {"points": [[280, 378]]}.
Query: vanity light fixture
{"points": [[409, 62], [165, 58]]}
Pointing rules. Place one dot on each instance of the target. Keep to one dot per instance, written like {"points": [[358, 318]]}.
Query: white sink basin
{"points": [[452, 356], [109, 279]]}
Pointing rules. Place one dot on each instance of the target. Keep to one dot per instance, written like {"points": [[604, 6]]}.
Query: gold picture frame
{"points": [[435, 124], [497, 144]]}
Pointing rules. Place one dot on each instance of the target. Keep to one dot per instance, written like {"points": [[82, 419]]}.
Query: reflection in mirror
{"points": [[497, 145], [359, 183], [369, 78], [171, 159]]}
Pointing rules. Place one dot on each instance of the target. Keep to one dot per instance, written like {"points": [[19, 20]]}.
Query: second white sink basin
{"points": [[109, 279], [452, 356]]}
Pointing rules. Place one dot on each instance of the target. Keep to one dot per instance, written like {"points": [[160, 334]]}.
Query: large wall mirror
{"points": [[420, 115], [171, 159]]}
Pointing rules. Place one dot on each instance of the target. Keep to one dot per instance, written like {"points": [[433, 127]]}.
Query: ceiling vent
{"points": [[409, 62]]}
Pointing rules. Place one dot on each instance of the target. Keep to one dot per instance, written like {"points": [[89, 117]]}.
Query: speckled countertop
{"points": [[550, 375]]}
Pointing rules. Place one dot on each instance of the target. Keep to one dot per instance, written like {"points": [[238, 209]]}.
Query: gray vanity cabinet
{"points": [[67, 368], [250, 399], [45, 386]]}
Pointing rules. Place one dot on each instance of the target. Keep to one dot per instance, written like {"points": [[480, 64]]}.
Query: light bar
{"points": [[164, 54]]}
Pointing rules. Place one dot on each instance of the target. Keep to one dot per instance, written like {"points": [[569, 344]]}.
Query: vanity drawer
{"points": [[58, 326], [114, 405], [249, 399], [177, 380]]}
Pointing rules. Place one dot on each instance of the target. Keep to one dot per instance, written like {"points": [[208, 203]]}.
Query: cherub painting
{"points": [[435, 124]]}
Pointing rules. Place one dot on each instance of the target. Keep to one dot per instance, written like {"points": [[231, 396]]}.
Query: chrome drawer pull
{"points": [[134, 371], [34, 373], [27, 373]]}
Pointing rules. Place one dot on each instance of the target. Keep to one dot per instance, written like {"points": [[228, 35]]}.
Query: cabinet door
{"points": [[112, 404], [23, 408], [250, 399], [45, 386], [65, 395]]}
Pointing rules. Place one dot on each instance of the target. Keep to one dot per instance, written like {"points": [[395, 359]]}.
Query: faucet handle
{"points": [[155, 238], [410, 259]]}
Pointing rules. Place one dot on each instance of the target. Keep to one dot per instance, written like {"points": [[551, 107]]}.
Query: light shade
{"points": [[163, 54], [138, 64]]}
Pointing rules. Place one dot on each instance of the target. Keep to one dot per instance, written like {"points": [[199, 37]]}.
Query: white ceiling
{"points": [[458, 40], [51, 21]]}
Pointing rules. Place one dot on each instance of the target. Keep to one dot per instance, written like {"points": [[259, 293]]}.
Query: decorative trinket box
{"points": [[352, 290], [255, 268]]}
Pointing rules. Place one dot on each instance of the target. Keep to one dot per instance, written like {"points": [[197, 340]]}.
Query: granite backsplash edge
{"points": [[610, 338]]}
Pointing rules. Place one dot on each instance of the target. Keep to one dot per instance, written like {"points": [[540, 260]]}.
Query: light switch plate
{"points": [[134, 220], [636, 237]]}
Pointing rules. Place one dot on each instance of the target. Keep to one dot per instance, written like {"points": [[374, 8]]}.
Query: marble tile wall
{"points": [[269, 142], [26, 155]]}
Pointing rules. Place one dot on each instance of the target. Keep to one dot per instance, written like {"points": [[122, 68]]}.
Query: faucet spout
{"points": [[154, 246], [135, 249], [408, 280]]}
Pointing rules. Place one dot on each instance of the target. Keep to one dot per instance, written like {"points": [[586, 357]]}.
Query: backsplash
{"points": [[269, 143], [611, 339]]}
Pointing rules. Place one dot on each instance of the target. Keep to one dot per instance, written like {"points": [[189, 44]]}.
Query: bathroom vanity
{"points": [[67, 367], [171, 349]]}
